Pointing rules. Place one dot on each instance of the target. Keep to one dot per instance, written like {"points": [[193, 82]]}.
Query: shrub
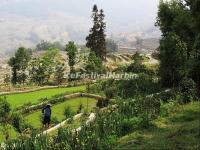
{"points": [[110, 92], [166, 95], [94, 64], [144, 84], [108, 142], [18, 122], [187, 89], [80, 107], [168, 108], [129, 125], [54, 121], [147, 108], [4, 110], [68, 112], [5, 117]]}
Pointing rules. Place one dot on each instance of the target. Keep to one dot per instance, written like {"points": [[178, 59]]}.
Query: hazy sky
{"points": [[120, 11], [26, 22]]}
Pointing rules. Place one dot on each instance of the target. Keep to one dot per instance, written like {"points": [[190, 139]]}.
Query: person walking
{"points": [[46, 115]]}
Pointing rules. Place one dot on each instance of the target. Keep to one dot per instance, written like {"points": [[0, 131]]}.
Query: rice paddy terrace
{"points": [[18, 99], [34, 118]]}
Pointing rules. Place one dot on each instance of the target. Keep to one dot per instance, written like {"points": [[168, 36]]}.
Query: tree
{"points": [[45, 45], [92, 38], [41, 69], [96, 39], [182, 17], [102, 36], [71, 50], [37, 71], [94, 64], [59, 73], [19, 64], [138, 67], [49, 61], [172, 60], [174, 17]]}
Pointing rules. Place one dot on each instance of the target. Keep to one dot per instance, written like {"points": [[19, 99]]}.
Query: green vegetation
{"points": [[5, 117], [142, 85], [179, 47], [143, 115], [43, 68], [96, 40], [11, 131], [94, 64], [179, 130], [59, 73], [58, 110], [45, 45], [138, 67], [19, 64], [71, 50], [17, 100]]}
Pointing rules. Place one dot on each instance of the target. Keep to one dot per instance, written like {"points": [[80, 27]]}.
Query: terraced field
{"points": [[17, 100], [58, 110], [34, 118]]}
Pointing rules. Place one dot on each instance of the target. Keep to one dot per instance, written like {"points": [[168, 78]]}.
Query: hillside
{"points": [[180, 130], [113, 61]]}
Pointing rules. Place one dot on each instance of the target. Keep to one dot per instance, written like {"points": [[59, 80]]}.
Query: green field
{"points": [[58, 110], [178, 131], [17, 100]]}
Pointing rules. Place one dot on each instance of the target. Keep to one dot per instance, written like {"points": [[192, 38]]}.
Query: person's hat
{"points": [[49, 105]]}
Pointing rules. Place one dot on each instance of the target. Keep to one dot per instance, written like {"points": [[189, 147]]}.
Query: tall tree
{"points": [[19, 64], [92, 37], [71, 50], [172, 60], [102, 36], [96, 39], [173, 16], [181, 17]]}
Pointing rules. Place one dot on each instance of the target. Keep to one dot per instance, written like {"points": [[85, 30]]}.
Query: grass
{"points": [[58, 110], [12, 133], [180, 130], [17, 100]]}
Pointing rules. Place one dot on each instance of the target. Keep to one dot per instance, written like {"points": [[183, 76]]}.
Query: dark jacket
{"points": [[46, 111]]}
